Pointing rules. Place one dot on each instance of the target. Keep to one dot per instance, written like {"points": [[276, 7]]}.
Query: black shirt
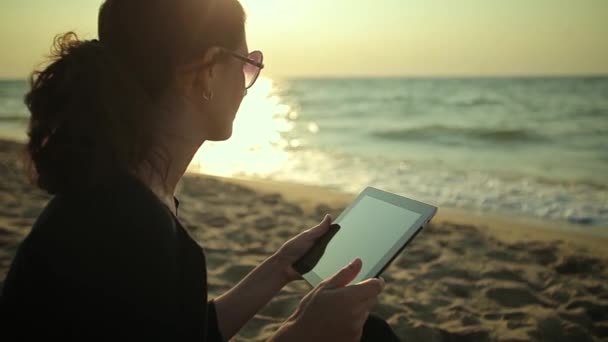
{"points": [[109, 263]]}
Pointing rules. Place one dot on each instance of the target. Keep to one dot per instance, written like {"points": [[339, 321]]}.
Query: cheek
{"points": [[229, 101], [229, 95], [238, 88]]}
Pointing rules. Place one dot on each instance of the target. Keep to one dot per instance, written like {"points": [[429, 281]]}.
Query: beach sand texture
{"points": [[460, 280]]}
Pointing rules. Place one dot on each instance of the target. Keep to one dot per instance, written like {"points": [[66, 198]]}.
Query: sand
{"points": [[467, 277]]}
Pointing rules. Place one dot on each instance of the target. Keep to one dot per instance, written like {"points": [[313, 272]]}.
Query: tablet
{"points": [[376, 227]]}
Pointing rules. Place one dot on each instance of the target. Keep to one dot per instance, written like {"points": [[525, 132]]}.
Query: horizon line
{"points": [[407, 76]]}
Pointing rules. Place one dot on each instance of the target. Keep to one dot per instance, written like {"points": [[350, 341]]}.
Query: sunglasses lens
{"points": [[251, 71]]}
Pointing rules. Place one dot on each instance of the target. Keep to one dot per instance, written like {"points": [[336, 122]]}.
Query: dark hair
{"points": [[90, 107]]}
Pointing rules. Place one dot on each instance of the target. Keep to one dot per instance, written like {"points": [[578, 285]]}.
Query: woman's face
{"points": [[214, 94], [223, 96]]}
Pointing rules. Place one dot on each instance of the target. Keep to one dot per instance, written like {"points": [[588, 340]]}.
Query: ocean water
{"points": [[531, 147]]}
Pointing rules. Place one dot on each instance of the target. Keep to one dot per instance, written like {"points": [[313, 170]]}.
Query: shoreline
{"points": [[456, 213], [506, 227]]}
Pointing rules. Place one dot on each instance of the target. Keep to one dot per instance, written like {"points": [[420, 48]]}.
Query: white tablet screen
{"points": [[369, 230]]}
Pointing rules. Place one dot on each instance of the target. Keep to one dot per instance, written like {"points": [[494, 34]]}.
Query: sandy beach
{"points": [[465, 278]]}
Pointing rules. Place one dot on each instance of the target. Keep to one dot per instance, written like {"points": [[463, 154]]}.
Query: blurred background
{"points": [[489, 106]]}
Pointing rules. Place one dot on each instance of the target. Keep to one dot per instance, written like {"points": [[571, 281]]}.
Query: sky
{"points": [[352, 38]]}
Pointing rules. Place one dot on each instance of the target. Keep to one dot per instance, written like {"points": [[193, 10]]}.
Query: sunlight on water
{"points": [[256, 147]]}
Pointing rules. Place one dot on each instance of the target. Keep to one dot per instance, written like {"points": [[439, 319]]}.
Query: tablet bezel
{"points": [[426, 212]]}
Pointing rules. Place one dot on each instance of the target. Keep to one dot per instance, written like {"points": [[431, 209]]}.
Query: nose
{"points": [[245, 93]]}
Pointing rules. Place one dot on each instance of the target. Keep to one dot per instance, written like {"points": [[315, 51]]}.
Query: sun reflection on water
{"points": [[256, 147]]}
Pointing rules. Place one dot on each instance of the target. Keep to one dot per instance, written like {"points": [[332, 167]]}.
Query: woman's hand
{"points": [[332, 312], [296, 247]]}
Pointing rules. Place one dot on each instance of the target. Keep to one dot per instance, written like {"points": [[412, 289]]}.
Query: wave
{"points": [[478, 101], [439, 132], [592, 113]]}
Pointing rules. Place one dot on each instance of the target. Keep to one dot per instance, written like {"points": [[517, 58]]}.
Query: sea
{"points": [[532, 147]]}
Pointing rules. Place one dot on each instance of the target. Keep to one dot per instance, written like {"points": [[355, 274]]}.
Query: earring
{"points": [[208, 96]]}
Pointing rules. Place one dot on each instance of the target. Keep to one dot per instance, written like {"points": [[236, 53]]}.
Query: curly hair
{"points": [[92, 105]]}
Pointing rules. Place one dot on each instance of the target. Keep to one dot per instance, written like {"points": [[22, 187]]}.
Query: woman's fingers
{"points": [[360, 322], [364, 310], [369, 305], [343, 276], [321, 228], [365, 307], [363, 291]]}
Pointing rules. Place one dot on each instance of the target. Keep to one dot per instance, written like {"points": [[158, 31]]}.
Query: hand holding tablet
{"points": [[376, 227]]}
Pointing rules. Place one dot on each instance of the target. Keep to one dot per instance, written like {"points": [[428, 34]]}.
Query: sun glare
{"points": [[256, 145]]}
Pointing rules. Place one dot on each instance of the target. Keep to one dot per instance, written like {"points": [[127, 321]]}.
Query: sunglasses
{"points": [[254, 63]]}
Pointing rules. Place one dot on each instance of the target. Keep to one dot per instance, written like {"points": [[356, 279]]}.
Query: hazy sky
{"points": [[356, 37]]}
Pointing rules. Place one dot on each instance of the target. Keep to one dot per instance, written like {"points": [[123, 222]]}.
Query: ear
{"points": [[205, 64], [200, 71]]}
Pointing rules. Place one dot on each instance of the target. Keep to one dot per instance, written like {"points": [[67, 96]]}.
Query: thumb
{"points": [[344, 276], [322, 227]]}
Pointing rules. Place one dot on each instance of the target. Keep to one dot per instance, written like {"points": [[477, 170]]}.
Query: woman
{"points": [[114, 124]]}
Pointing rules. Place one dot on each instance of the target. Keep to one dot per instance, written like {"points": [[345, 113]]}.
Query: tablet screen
{"points": [[369, 230]]}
